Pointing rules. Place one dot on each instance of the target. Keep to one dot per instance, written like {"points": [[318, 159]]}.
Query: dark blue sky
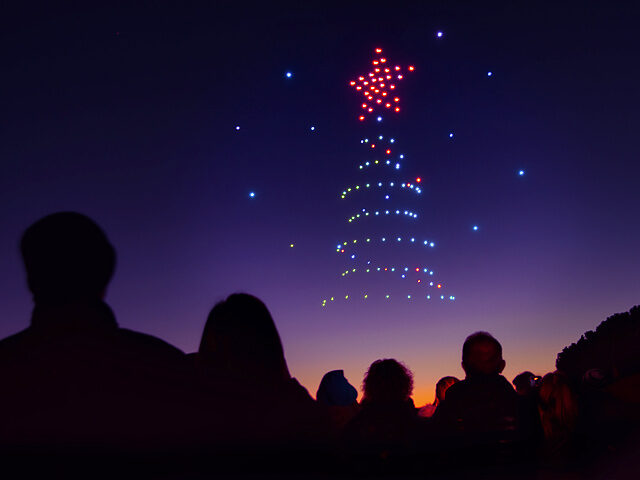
{"points": [[128, 114]]}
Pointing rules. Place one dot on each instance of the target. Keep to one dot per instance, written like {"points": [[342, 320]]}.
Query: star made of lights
{"points": [[378, 86]]}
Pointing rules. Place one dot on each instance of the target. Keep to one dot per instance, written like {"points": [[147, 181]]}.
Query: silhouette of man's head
{"points": [[482, 355], [524, 383], [67, 257], [241, 338], [387, 381], [336, 390]]}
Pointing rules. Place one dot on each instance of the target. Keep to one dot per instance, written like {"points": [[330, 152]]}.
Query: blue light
{"points": [[237, 127], [386, 197], [353, 256], [252, 194], [391, 141], [401, 156], [450, 134], [380, 137], [313, 128], [288, 74], [489, 74], [439, 34], [397, 166], [379, 119], [432, 244], [475, 228], [521, 173]]}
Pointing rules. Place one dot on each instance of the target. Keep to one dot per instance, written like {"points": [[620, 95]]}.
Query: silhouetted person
{"points": [[441, 388], [339, 398], [525, 383], [241, 355], [74, 381], [385, 430], [482, 414]]}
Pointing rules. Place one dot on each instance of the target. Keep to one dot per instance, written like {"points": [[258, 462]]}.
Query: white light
{"points": [[489, 74], [439, 34], [391, 184], [425, 242], [361, 141], [353, 256], [380, 137], [521, 173], [397, 166], [475, 227], [366, 140], [388, 162], [404, 276], [252, 194], [386, 197], [384, 239], [313, 128], [289, 74], [379, 184], [401, 157], [413, 239], [399, 238], [391, 141], [432, 244], [379, 119], [450, 134]]}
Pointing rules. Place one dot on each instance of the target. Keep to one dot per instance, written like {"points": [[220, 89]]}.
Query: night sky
{"points": [[128, 114]]}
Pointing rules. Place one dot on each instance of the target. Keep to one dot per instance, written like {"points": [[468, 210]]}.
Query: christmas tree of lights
{"points": [[384, 256]]}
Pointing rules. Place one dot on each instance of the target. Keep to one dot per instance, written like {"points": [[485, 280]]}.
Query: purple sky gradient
{"points": [[129, 114]]}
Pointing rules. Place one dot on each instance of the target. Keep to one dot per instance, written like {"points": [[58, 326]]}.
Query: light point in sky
{"points": [[313, 128], [475, 228], [489, 74], [439, 34], [521, 173], [252, 194], [379, 119], [291, 246], [450, 134], [237, 127], [288, 74]]}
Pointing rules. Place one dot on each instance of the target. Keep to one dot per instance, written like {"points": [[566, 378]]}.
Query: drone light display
{"points": [[383, 208]]}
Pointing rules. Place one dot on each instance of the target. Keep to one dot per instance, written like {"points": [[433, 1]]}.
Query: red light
{"points": [[388, 152], [419, 280], [360, 78], [370, 74], [383, 60], [365, 83], [397, 68], [374, 79], [388, 105], [358, 87], [381, 78], [361, 117], [352, 83], [375, 62], [370, 110], [376, 70], [384, 94], [397, 109], [417, 269], [378, 101], [386, 70], [385, 269], [418, 180], [372, 87], [411, 69], [392, 86], [396, 99], [388, 77], [399, 77], [439, 286], [373, 145], [377, 91], [378, 50]]}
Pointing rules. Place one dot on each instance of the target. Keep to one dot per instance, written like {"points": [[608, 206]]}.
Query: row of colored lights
{"points": [[411, 186], [366, 213], [340, 246], [370, 269], [365, 296], [380, 137], [378, 162]]}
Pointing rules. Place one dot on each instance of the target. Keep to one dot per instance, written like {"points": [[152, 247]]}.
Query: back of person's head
{"points": [[67, 257], [241, 338], [387, 381], [442, 386], [557, 405], [524, 383], [482, 355], [335, 390]]}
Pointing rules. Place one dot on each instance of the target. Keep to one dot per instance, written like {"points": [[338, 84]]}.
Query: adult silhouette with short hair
{"points": [[74, 380], [482, 413], [241, 354]]}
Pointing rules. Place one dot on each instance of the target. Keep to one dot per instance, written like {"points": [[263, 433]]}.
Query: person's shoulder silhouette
{"points": [[73, 377]]}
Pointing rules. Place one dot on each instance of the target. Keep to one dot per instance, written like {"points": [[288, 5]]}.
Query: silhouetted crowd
{"points": [[80, 395]]}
